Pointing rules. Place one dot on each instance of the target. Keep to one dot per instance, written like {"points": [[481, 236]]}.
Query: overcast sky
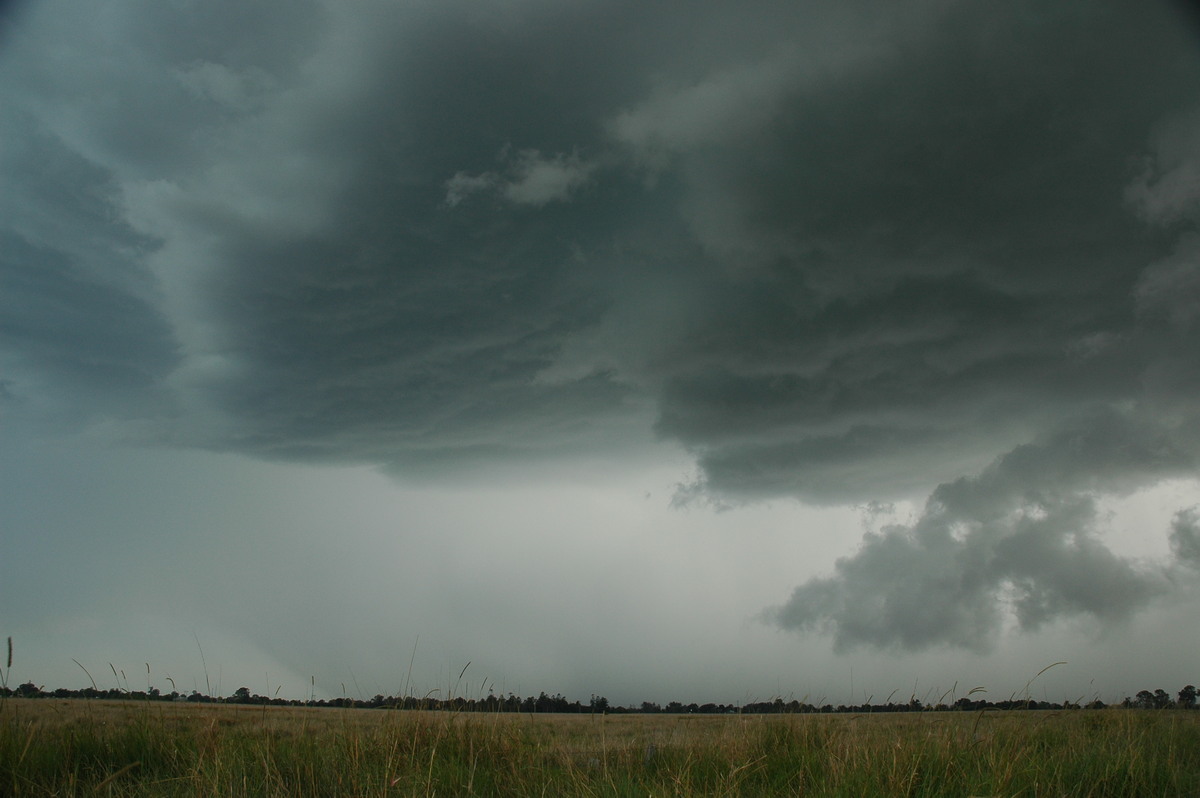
{"points": [[702, 352]]}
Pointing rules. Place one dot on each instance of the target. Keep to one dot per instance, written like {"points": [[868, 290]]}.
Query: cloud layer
{"points": [[834, 251]]}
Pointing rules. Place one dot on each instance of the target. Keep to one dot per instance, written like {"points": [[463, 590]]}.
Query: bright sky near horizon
{"points": [[698, 352]]}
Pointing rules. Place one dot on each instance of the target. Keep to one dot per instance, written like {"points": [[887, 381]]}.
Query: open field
{"points": [[56, 747]]}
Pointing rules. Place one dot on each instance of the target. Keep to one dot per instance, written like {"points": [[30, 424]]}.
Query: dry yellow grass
{"points": [[73, 747]]}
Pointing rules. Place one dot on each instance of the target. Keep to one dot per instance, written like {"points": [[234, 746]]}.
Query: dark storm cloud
{"points": [[840, 251], [944, 248], [328, 302], [78, 315], [876, 392]]}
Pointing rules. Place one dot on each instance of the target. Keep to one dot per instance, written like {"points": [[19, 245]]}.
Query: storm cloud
{"points": [[835, 252], [1185, 536]]}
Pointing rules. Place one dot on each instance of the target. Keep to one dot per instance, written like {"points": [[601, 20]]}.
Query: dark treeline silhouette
{"points": [[1144, 699]]}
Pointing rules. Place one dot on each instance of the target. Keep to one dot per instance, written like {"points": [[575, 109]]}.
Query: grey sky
{"points": [[899, 301]]}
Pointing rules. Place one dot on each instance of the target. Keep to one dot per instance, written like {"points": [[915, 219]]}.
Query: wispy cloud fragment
{"points": [[529, 179]]}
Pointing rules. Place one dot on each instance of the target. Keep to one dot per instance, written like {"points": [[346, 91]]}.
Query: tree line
{"points": [[543, 703]]}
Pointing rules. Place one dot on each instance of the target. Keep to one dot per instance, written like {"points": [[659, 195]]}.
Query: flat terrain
{"points": [[74, 747]]}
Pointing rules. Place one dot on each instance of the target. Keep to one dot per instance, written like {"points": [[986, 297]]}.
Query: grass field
{"points": [[56, 747]]}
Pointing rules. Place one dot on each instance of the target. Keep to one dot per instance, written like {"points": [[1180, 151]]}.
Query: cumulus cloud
{"points": [[954, 579], [539, 180], [1018, 541]]}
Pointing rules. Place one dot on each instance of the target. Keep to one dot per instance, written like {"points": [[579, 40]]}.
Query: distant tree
{"points": [[1187, 698], [28, 690], [241, 696], [1162, 700], [1144, 699]]}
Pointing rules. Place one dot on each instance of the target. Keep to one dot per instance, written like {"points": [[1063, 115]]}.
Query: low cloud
{"points": [[1019, 543], [1185, 536], [538, 180]]}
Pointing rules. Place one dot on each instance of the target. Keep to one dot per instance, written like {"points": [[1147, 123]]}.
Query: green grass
{"points": [[65, 748]]}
